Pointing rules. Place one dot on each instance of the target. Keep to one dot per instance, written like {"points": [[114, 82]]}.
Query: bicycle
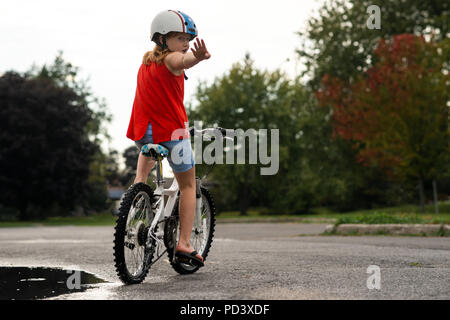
{"points": [[147, 222]]}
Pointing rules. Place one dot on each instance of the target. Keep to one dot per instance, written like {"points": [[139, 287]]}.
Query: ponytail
{"points": [[156, 55]]}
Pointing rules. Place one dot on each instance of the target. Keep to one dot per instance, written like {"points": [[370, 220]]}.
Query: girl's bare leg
{"points": [[186, 184], [144, 166]]}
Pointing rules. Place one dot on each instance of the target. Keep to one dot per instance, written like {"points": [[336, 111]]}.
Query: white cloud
{"points": [[107, 40]]}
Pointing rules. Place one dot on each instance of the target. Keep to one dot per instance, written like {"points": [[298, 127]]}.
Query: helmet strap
{"points": [[163, 44]]}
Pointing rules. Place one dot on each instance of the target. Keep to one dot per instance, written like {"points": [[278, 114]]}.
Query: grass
{"points": [[380, 217], [415, 264], [100, 219], [258, 215], [384, 233], [400, 214]]}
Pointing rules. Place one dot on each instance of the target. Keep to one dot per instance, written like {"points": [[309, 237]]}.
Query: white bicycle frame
{"points": [[165, 207]]}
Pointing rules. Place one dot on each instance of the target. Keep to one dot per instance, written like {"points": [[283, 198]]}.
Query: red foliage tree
{"points": [[397, 113]]}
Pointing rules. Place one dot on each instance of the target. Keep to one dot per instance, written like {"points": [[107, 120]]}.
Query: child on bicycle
{"points": [[159, 116]]}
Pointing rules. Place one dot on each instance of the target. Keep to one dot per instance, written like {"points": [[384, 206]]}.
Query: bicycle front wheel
{"points": [[132, 252]]}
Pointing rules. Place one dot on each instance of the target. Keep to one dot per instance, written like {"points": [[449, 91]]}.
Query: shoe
{"points": [[189, 258]]}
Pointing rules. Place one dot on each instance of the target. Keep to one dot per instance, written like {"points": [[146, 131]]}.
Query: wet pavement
{"points": [[25, 283], [247, 261]]}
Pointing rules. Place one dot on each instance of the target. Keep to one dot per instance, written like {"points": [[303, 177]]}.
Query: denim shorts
{"points": [[181, 157]]}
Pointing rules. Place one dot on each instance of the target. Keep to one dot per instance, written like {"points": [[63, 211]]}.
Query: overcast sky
{"points": [[107, 40]]}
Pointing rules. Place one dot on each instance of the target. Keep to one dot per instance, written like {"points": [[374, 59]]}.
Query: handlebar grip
{"points": [[222, 130]]}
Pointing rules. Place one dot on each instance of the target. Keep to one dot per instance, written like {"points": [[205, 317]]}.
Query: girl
{"points": [[159, 115]]}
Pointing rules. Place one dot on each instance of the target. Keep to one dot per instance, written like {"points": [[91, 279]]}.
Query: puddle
{"points": [[25, 283]]}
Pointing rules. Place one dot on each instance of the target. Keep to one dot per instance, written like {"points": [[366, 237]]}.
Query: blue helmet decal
{"points": [[189, 24]]}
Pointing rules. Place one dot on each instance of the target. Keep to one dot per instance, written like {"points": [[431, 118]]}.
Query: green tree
{"points": [[397, 115], [338, 43], [247, 98], [51, 129]]}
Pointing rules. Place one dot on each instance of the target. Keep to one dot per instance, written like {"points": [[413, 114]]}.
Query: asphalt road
{"points": [[249, 261]]}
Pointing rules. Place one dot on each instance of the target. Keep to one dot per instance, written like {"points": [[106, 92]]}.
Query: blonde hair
{"points": [[158, 54]]}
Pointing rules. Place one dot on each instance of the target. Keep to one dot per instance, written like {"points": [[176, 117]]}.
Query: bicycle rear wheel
{"points": [[133, 254], [201, 239]]}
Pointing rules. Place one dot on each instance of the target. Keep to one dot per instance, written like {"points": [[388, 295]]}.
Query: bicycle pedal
{"points": [[185, 261], [178, 259]]}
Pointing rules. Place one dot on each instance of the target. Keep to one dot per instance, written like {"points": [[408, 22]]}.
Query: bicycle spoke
{"points": [[134, 252], [199, 240]]}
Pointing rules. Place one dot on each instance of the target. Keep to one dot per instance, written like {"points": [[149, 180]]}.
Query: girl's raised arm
{"points": [[178, 61]]}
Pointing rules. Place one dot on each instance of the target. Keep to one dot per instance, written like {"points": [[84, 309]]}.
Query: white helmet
{"points": [[171, 21]]}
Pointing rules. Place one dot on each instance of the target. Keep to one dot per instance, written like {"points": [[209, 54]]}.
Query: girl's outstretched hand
{"points": [[200, 52]]}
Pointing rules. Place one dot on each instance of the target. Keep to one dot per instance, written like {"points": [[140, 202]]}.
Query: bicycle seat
{"points": [[153, 150]]}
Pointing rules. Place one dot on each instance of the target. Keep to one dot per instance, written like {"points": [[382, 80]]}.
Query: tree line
{"points": [[52, 127], [368, 128], [364, 125]]}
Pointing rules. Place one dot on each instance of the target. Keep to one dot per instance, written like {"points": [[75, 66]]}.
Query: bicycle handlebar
{"points": [[226, 133]]}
